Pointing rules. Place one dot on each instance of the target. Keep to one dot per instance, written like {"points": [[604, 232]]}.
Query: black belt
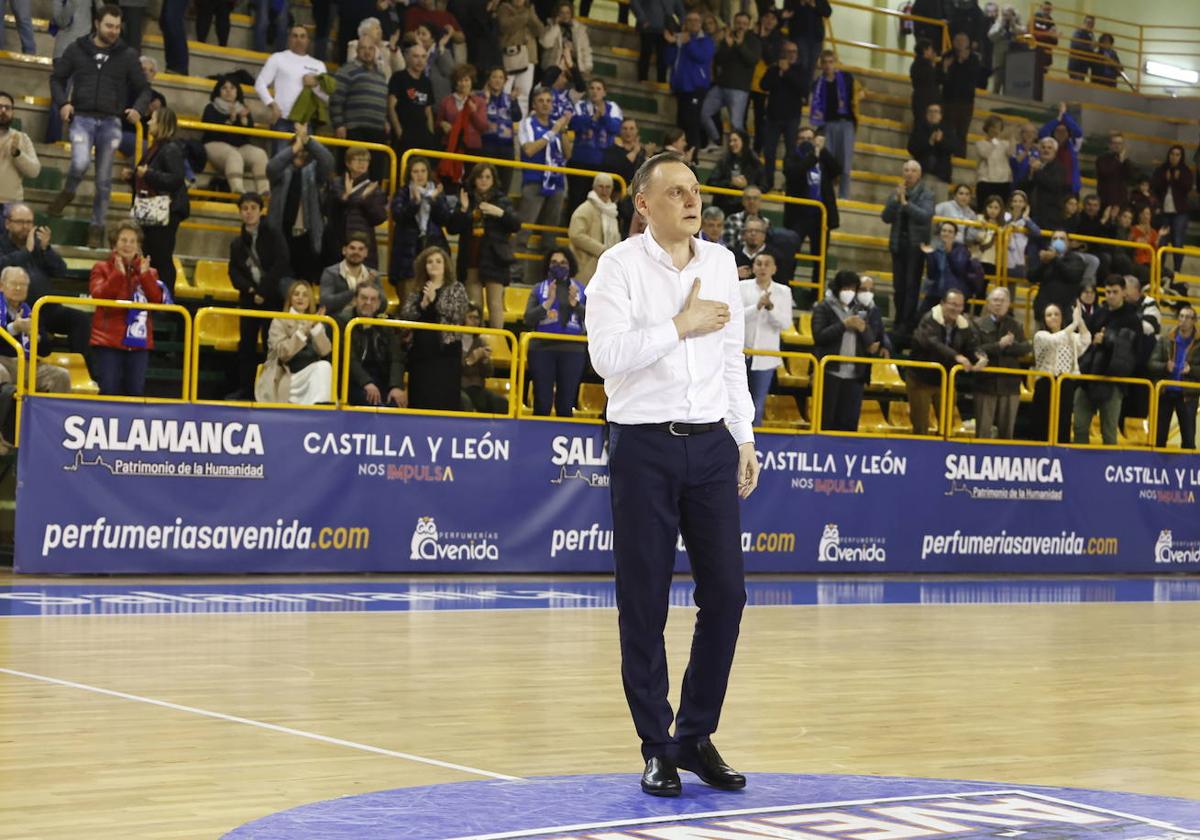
{"points": [[678, 429]]}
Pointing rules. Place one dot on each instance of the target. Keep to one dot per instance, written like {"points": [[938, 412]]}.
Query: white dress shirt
{"points": [[286, 71], [763, 326], [650, 374]]}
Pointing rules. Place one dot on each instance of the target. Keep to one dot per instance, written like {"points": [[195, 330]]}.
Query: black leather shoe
{"points": [[704, 760], [660, 778]]}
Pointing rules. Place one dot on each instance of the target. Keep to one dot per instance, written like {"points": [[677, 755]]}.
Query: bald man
{"points": [[909, 210]]}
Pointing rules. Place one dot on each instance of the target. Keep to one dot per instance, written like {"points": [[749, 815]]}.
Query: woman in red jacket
{"points": [[122, 338]]}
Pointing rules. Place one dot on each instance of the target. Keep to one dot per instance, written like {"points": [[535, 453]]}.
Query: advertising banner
{"points": [[126, 488]]}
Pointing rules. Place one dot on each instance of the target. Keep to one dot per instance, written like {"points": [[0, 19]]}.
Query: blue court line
{"points": [[17, 599]]}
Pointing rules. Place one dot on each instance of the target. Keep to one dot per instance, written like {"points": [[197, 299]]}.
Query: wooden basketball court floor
{"points": [[188, 725]]}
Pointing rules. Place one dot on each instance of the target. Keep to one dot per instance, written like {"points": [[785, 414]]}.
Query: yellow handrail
{"points": [[512, 164], [1027, 374], [21, 363], [207, 311], [997, 241], [941, 24], [1156, 287], [1114, 380], [814, 386], [1159, 387], [900, 363], [508, 337], [98, 303]]}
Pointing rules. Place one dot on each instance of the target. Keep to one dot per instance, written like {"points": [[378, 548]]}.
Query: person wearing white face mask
{"points": [[882, 345], [841, 328]]}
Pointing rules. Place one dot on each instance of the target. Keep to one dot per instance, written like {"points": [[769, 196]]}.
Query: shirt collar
{"points": [[657, 253]]}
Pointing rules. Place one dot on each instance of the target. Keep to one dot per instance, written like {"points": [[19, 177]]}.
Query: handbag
{"points": [[516, 59], [151, 210]]}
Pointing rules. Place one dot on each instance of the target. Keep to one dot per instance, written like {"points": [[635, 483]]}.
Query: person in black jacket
{"points": [[738, 51], [1058, 275], [923, 73], [811, 172], [932, 143], [420, 212], [376, 354], [960, 73], [1047, 186], [786, 87], [806, 28], [258, 269], [737, 169], [484, 261], [931, 32], [96, 76], [162, 172], [841, 327], [1112, 353]]}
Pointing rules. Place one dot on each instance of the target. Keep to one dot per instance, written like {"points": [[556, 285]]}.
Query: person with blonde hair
{"points": [[162, 173], [297, 369], [594, 229]]}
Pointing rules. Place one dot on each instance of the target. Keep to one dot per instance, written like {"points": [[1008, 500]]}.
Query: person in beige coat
{"points": [[297, 369], [18, 158], [594, 228], [520, 29], [564, 31]]}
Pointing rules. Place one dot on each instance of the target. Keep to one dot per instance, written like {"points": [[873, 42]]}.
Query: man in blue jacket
{"points": [[597, 123], [692, 76]]}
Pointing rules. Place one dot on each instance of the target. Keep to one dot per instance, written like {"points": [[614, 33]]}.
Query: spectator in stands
{"points": [[1115, 172], [122, 338], [157, 100], [358, 106], [772, 40], [132, 11], [994, 175], [712, 224], [923, 73], [1048, 185], [932, 144], [339, 281], [420, 213], [18, 158], [1113, 353], [1092, 310], [787, 88], [931, 32], [542, 141], [486, 261], [998, 396], [565, 42], [909, 210], [767, 308], [1059, 274], [594, 227], [16, 318], [1106, 67], [882, 346], [841, 327], [208, 11], [737, 55], [1056, 350], [1045, 35], [299, 174], [1022, 234], [270, 25], [476, 368], [1083, 47], [371, 29], [1176, 357], [1142, 196], [440, 60], [288, 73], [1069, 136], [654, 18], [410, 102], [563, 96], [596, 124], [810, 172], [1025, 153], [21, 13], [429, 13], [806, 28], [1171, 183], [557, 304], [675, 140], [948, 266], [297, 369], [754, 242], [232, 154], [520, 29], [503, 115], [834, 106], [985, 243], [737, 169], [74, 20], [1143, 231], [960, 72], [623, 158], [258, 268], [461, 117], [173, 25], [943, 336], [957, 207], [1093, 222], [161, 173], [1004, 32], [751, 209], [435, 357], [692, 76], [94, 103]]}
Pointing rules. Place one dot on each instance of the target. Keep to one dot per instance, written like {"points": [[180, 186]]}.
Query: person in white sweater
{"points": [[768, 311], [994, 174], [1056, 350], [288, 73]]}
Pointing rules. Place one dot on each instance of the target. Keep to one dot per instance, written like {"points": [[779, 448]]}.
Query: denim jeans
{"points": [[760, 385], [289, 126], [839, 139], [262, 20], [21, 11], [1178, 223], [735, 100], [105, 134], [121, 373]]}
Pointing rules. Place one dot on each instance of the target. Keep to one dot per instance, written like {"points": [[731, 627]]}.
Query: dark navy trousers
{"points": [[663, 486]]}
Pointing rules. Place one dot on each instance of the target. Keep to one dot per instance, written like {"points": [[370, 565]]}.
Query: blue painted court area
{"points": [[772, 806], [368, 595]]}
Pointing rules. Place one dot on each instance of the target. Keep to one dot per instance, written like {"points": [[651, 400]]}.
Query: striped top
{"points": [[360, 98]]}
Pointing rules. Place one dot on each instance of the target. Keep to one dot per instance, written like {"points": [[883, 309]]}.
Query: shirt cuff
{"points": [[742, 431]]}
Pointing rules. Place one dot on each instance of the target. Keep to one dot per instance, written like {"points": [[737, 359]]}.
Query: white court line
{"points": [[273, 727]]}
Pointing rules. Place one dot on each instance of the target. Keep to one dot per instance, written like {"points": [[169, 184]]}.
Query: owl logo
{"points": [[1162, 547], [426, 533], [831, 541]]}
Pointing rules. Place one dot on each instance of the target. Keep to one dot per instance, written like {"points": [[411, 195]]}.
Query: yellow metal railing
{"points": [[344, 391], [1029, 376], [1159, 387], [211, 311], [894, 17], [1157, 290], [822, 370], [511, 164], [1114, 380], [99, 303], [525, 412], [785, 426], [19, 351]]}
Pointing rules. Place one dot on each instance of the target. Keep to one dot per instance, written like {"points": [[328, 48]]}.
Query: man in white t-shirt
{"points": [[288, 73], [768, 309]]}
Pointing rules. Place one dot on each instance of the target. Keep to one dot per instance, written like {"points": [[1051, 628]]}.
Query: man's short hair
{"points": [[361, 238], [1114, 280], [712, 211], [18, 205], [6, 95], [1131, 281], [250, 198], [355, 152], [1001, 290], [752, 190], [757, 222], [644, 172], [109, 10], [956, 292], [371, 286], [13, 271], [828, 54]]}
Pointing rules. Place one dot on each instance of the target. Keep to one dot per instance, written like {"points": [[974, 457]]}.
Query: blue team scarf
{"points": [[552, 182], [137, 321], [500, 114], [23, 311], [817, 113]]}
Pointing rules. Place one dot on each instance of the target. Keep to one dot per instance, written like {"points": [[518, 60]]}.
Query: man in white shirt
{"points": [[768, 308], [666, 332], [290, 72]]}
